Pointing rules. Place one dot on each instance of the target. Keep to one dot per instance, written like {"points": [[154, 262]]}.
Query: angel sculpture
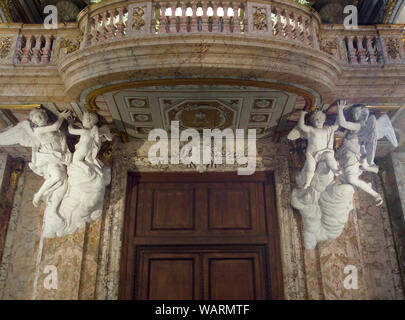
{"points": [[50, 154], [90, 142], [320, 145], [326, 202], [359, 145]]}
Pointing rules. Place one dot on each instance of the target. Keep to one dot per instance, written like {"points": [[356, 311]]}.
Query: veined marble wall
{"points": [[394, 183], [367, 244], [88, 262]]}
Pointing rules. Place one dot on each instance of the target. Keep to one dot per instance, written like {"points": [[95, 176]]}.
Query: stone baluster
{"points": [[279, 25], [111, 25], [94, 33], [194, 18], [18, 50], [153, 17], [226, 20], [27, 50], [352, 50], [163, 18], [204, 16], [173, 20], [307, 33], [372, 50], [289, 27], [215, 18], [296, 26], [183, 18], [120, 23], [35, 58], [103, 28], [363, 50], [236, 20], [46, 54]]}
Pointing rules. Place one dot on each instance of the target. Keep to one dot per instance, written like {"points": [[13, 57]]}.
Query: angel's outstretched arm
{"points": [[301, 123], [354, 126], [77, 132]]}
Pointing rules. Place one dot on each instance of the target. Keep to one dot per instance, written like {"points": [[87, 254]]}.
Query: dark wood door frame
{"points": [[272, 241]]}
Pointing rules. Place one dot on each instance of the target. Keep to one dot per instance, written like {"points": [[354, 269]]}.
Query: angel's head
{"points": [[360, 113], [318, 119], [39, 117], [89, 120]]}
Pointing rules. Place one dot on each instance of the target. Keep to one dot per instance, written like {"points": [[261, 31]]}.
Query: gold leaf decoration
{"points": [[139, 22], [5, 46], [71, 45], [260, 19], [393, 48]]}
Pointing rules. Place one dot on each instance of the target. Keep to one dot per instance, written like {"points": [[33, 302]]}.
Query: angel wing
{"points": [[386, 130], [296, 134], [368, 139], [21, 133]]}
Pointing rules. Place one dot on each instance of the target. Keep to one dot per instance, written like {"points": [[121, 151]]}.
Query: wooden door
{"points": [[211, 236]]}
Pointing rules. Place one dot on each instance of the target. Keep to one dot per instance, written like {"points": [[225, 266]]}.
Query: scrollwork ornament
{"points": [[139, 22], [5, 46], [260, 19], [329, 46], [71, 45], [393, 48]]}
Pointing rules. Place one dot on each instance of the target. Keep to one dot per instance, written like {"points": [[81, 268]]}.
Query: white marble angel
{"points": [[90, 141], [320, 145], [359, 145], [50, 154]]}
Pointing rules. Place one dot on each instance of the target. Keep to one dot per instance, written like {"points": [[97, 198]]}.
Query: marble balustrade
{"points": [[114, 20]]}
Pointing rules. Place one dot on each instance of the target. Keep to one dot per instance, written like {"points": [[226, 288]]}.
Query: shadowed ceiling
{"points": [[370, 11]]}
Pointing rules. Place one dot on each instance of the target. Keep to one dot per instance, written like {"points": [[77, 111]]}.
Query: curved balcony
{"points": [[275, 41], [136, 39]]}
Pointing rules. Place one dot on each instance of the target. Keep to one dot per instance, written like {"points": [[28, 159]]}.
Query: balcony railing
{"points": [[365, 45], [284, 21], [274, 19]]}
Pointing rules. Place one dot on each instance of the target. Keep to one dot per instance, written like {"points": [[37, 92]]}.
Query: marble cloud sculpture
{"points": [[75, 183], [325, 185]]}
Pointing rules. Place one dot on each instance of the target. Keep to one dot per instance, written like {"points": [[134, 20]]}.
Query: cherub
{"points": [[90, 142], [320, 144], [359, 145], [50, 153]]}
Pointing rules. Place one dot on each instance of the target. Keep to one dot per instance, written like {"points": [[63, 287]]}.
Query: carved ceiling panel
{"points": [[137, 111]]}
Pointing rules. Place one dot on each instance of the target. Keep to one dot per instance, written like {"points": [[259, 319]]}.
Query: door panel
{"points": [[206, 272], [201, 236], [234, 276], [169, 277]]}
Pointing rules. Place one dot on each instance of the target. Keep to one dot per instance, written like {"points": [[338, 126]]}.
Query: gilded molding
{"points": [[19, 106], [389, 10], [5, 10]]}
